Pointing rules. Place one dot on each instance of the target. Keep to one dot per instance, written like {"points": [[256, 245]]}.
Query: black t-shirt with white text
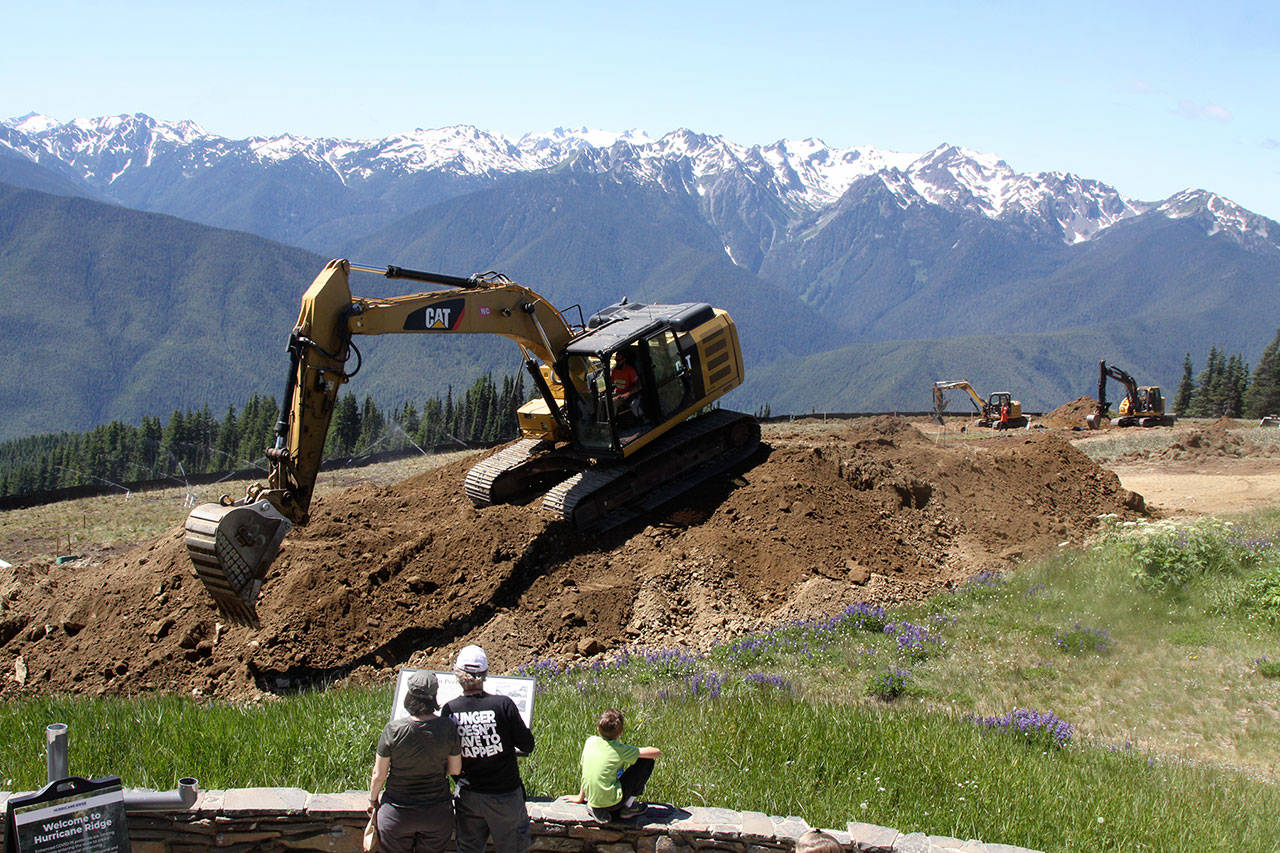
{"points": [[491, 730]]}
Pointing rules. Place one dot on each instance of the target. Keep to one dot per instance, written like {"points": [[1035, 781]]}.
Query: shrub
{"points": [[1264, 589], [1167, 557], [1080, 639], [889, 685], [1268, 668]]}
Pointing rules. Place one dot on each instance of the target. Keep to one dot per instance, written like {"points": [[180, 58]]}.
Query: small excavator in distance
{"points": [[601, 443], [1140, 407], [999, 411]]}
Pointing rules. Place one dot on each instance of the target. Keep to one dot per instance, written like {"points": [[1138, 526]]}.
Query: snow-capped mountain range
{"points": [[857, 276], [791, 181]]}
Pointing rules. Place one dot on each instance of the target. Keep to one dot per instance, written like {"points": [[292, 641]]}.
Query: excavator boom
{"points": [[232, 543]]}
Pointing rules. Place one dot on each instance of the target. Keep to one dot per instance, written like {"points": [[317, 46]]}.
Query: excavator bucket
{"points": [[231, 547]]}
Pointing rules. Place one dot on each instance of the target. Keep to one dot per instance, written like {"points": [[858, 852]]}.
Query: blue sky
{"points": [[1152, 97]]}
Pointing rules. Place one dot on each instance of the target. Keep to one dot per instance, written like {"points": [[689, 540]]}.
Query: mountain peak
{"points": [[794, 178], [1220, 215]]}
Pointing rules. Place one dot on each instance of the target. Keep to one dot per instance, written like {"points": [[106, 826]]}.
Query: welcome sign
{"points": [[73, 815]]}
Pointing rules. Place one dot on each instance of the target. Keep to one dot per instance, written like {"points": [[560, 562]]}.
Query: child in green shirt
{"points": [[613, 773]]}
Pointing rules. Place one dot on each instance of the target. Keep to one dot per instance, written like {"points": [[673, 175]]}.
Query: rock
{"points": [[590, 646]]}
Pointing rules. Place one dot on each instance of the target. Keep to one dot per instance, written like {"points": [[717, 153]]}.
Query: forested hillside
{"points": [[196, 442]]}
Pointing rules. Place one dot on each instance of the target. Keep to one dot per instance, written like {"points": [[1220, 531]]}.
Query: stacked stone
{"points": [[291, 819]]}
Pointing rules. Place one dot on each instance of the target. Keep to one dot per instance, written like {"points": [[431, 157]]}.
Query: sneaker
{"points": [[634, 810]]}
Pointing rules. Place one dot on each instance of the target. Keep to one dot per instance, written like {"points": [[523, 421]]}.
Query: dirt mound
{"points": [[384, 576], [1071, 414], [1219, 439]]}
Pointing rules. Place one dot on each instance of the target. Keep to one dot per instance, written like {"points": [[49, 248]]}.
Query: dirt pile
{"points": [[1221, 438], [1071, 414], [383, 576]]}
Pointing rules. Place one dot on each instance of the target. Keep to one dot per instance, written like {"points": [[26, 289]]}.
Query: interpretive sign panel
{"points": [[72, 815], [519, 689]]}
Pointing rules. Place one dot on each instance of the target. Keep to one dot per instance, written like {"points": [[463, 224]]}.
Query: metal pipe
{"points": [[56, 768], [183, 797], [55, 752]]}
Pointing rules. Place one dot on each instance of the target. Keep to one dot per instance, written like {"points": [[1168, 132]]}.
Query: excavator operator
{"points": [[626, 383]]}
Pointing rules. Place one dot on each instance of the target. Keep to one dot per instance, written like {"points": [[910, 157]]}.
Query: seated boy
{"points": [[613, 773]]}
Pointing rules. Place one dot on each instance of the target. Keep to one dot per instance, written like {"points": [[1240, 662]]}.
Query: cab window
{"points": [[592, 424], [671, 374]]}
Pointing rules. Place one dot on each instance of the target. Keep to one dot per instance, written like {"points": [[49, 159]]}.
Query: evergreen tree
{"points": [[449, 418], [1182, 403], [228, 441], [150, 434], [174, 434], [372, 426], [431, 431], [408, 419], [1263, 396], [344, 428], [1207, 386], [1234, 382]]}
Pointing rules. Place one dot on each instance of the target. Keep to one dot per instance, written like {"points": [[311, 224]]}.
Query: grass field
{"points": [[1123, 697]]}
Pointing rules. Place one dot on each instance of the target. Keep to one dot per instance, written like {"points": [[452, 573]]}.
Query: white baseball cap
{"points": [[472, 659]]}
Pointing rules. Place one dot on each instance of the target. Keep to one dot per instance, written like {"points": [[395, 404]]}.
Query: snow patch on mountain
{"points": [[1220, 215]]}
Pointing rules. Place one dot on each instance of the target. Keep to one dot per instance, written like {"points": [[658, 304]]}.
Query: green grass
{"points": [[1171, 690]]}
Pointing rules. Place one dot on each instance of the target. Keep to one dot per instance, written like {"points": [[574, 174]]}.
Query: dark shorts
{"points": [[415, 829]]}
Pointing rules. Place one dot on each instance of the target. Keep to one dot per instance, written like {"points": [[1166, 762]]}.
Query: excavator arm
{"points": [[232, 543], [1130, 389], [940, 403]]}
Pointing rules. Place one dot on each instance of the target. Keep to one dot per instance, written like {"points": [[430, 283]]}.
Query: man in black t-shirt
{"points": [[490, 800]]}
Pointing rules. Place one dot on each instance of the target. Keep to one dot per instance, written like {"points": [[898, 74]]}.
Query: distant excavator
{"points": [[621, 423], [1141, 406], [998, 411]]}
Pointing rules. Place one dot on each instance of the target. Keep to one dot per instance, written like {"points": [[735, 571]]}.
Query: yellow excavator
{"points": [[999, 411], [620, 424], [1141, 406]]}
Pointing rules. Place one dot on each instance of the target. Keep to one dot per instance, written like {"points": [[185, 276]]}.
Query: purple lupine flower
{"points": [[1030, 724]]}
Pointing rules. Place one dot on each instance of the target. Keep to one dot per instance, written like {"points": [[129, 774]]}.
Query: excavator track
{"points": [[518, 473], [607, 496]]}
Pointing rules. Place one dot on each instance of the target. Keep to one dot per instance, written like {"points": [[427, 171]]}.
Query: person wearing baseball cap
{"points": [[416, 755], [490, 801]]}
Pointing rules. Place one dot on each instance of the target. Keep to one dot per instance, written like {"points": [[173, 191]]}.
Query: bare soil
{"points": [[828, 514], [1070, 415]]}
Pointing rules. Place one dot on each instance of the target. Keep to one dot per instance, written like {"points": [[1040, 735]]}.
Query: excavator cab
{"points": [[634, 382]]}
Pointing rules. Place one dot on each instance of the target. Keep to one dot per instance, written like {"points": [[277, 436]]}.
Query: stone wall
{"points": [[291, 819]]}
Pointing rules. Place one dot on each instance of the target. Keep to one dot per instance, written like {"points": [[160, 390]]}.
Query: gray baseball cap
{"points": [[423, 684]]}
